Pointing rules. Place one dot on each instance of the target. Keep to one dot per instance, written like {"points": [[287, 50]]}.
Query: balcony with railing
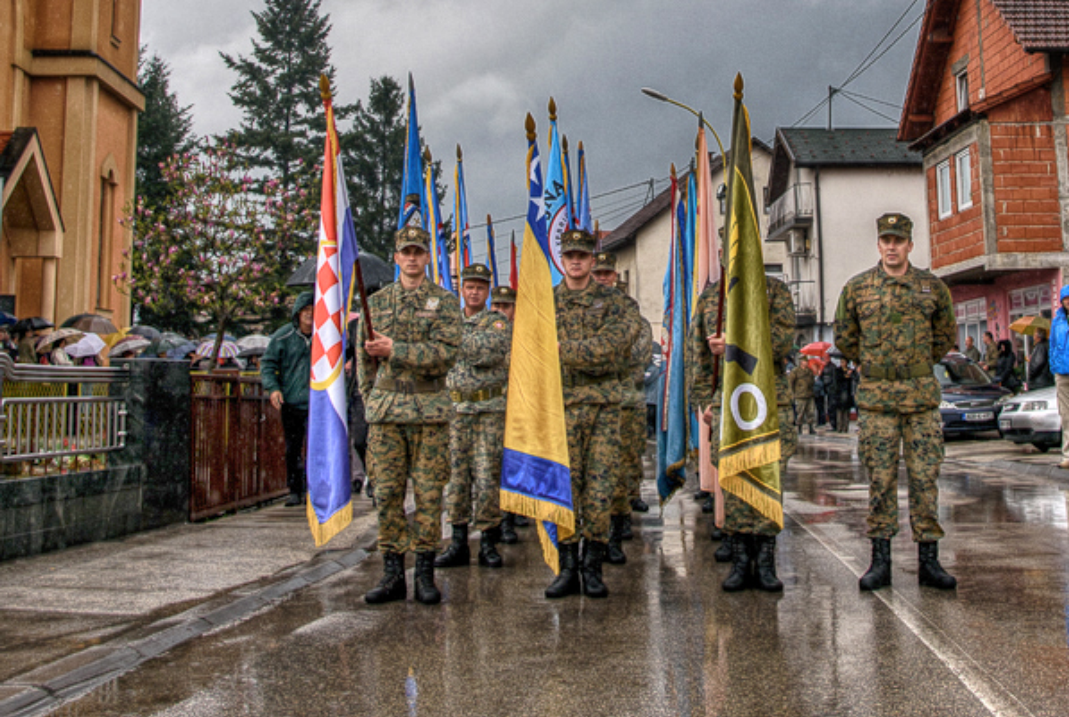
{"points": [[806, 301], [791, 210]]}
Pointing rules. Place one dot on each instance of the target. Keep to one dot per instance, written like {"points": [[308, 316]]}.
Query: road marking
{"points": [[998, 700]]}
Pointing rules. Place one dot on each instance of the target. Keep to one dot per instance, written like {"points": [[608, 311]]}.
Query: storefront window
{"points": [[972, 321]]}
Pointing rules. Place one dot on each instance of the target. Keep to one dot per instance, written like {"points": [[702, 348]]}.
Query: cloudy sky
{"points": [[481, 65]]}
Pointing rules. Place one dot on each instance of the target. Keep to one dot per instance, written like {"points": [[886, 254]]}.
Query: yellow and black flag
{"points": [[749, 428]]}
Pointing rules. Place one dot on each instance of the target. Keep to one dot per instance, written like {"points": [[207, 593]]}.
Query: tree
{"points": [[207, 253], [164, 128]]}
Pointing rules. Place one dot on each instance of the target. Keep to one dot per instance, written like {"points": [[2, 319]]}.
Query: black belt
{"points": [[400, 385], [483, 394], [896, 373], [582, 379]]}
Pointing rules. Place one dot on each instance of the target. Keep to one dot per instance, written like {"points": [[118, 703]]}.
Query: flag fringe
{"points": [[768, 506], [677, 481], [323, 532], [563, 517], [748, 459], [549, 551]]}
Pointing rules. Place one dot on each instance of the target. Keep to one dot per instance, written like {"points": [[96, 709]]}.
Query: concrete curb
{"points": [[47, 687]]}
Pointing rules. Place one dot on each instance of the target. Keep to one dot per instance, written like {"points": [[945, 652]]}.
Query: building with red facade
{"points": [[986, 105]]}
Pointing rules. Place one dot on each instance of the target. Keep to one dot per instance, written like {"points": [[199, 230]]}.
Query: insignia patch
{"points": [[499, 325], [926, 288], [597, 304], [432, 303]]}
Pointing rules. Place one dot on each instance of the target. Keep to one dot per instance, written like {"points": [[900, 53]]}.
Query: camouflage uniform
{"points": [[594, 331], [895, 329], [477, 432], [739, 516], [801, 380], [408, 409]]}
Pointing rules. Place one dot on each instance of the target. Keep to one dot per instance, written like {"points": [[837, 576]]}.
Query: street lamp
{"points": [[650, 92]]}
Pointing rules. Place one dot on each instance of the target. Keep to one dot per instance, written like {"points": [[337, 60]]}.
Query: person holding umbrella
{"points": [[1058, 355], [57, 340], [29, 330]]}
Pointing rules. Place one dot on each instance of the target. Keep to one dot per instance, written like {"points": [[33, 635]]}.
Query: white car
{"points": [[1032, 417]]}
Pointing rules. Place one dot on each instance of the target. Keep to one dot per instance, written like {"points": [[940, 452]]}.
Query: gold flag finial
{"points": [[564, 143], [324, 87], [427, 154], [673, 172], [489, 220], [530, 125], [738, 87], [580, 145], [552, 110], [460, 155]]}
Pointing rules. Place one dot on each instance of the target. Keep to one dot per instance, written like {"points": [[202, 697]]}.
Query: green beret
{"points": [[479, 272], [412, 236], [502, 295], [577, 240], [895, 224]]}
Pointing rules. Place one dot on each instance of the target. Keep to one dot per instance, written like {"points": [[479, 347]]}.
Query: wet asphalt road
{"points": [[668, 641]]}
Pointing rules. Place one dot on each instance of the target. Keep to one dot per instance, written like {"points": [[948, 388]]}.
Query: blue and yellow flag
{"points": [[461, 230], [749, 428], [439, 264], [535, 475], [558, 213], [583, 219], [413, 199], [491, 251]]}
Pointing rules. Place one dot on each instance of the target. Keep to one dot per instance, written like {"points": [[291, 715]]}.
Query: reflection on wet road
{"points": [[668, 641]]}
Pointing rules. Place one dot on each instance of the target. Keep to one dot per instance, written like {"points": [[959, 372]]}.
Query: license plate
{"points": [[1004, 424], [985, 416]]}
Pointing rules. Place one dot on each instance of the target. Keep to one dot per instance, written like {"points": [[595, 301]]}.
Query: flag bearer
{"points": [[477, 432], [402, 371], [503, 300], [594, 332]]}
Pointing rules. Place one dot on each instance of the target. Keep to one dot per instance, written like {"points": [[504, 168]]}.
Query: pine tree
{"points": [[164, 128]]}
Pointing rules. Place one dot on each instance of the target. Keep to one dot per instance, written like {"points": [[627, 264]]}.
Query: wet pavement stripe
{"points": [[995, 697]]}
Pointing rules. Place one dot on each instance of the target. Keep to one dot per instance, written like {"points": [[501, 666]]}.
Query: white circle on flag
{"points": [[758, 397]]}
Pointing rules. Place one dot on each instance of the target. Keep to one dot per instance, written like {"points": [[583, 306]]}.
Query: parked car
{"points": [[1032, 417], [970, 398]]}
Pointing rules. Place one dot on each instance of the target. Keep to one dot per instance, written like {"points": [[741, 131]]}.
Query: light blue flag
{"points": [[582, 212], [491, 251], [413, 199], [557, 212]]}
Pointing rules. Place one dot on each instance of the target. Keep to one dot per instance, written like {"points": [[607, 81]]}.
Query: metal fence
{"points": [[49, 413], [238, 446]]}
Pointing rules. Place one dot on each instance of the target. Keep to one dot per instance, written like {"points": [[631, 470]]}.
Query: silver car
{"points": [[1032, 417]]}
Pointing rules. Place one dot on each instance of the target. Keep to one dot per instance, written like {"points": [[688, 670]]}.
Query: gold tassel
{"points": [[753, 457], [323, 532], [768, 506]]}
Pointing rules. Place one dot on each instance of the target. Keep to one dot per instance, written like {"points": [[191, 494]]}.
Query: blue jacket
{"points": [[1059, 338]]}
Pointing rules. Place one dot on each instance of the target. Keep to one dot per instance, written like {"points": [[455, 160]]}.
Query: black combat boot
{"points": [[879, 573], [625, 528], [594, 554], [931, 573], [615, 554], [508, 529], [639, 506], [725, 551], [765, 572], [741, 564], [392, 586], [708, 505], [716, 533], [520, 520], [567, 581], [426, 592], [457, 554], [701, 495], [488, 555]]}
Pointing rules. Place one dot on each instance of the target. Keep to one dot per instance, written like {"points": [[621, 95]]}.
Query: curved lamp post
{"points": [[650, 92]]}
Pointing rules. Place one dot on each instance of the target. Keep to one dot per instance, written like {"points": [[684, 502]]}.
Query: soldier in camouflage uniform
{"points": [[896, 321], [632, 416], [503, 300], [594, 332], [477, 385], [801, 380], [402, 373], [750, 538]]}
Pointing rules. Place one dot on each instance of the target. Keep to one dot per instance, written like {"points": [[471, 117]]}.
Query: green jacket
{"points": [[483, 362], [286, 365]]}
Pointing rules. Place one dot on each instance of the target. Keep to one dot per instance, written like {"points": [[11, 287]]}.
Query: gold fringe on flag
{"points": [[750, 458], [767, 505], [323, 532]]}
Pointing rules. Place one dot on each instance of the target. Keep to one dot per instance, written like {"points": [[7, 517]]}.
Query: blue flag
{"points": [[558, 215], [413, 199], [491, 251], [583, 219]]}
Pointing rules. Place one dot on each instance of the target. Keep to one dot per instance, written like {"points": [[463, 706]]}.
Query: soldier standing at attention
{"points": [[594, 332], [503, 300], [632, 416], [801, 380], [896, 321], [402, 373], [749, 538], [477, 432]]}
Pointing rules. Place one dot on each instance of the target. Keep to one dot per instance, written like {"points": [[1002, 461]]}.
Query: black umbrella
{"points": [[377, 273], [90, 323], [33, 323]]}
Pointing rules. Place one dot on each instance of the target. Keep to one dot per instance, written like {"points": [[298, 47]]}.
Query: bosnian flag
{"points": [[330, 506]]}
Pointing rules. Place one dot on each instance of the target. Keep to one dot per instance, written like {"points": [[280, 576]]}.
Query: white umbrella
{"points": [[57, 335], [254, 341], [90, 345], [130, 343]]}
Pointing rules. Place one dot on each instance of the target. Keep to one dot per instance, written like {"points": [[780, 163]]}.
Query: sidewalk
{"points": [[76, 618]]}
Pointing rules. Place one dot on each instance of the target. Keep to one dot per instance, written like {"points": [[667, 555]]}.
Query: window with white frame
{"points": [[961, 88], [942, 187], [963, 169], [972, 321]]}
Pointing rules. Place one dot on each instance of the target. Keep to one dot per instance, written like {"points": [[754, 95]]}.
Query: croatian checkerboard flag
{"points": [[330, 506]]}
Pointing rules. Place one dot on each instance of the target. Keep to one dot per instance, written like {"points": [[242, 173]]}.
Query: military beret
{"points": [[478, 272], [577, 240], [502, 295], [604, 261], [412, 236], [895, 224]]}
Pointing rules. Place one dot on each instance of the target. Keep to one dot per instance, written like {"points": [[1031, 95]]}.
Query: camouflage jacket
{"points": [[595, 330], [801, 380], [483, 362], [701, 391], [641, 352], [410, 386], [894, 327]]}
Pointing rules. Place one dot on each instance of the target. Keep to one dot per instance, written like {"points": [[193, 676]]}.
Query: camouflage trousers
{"points": [[807, 412], [397, 453], [594, 454], [632, 447], [882, 437], [476, 441], [740, 516]]}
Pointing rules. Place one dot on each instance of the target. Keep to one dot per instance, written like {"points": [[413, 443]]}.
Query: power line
{"points": [[861, 65], [866, 107], [892, 105], [888, 48]]}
